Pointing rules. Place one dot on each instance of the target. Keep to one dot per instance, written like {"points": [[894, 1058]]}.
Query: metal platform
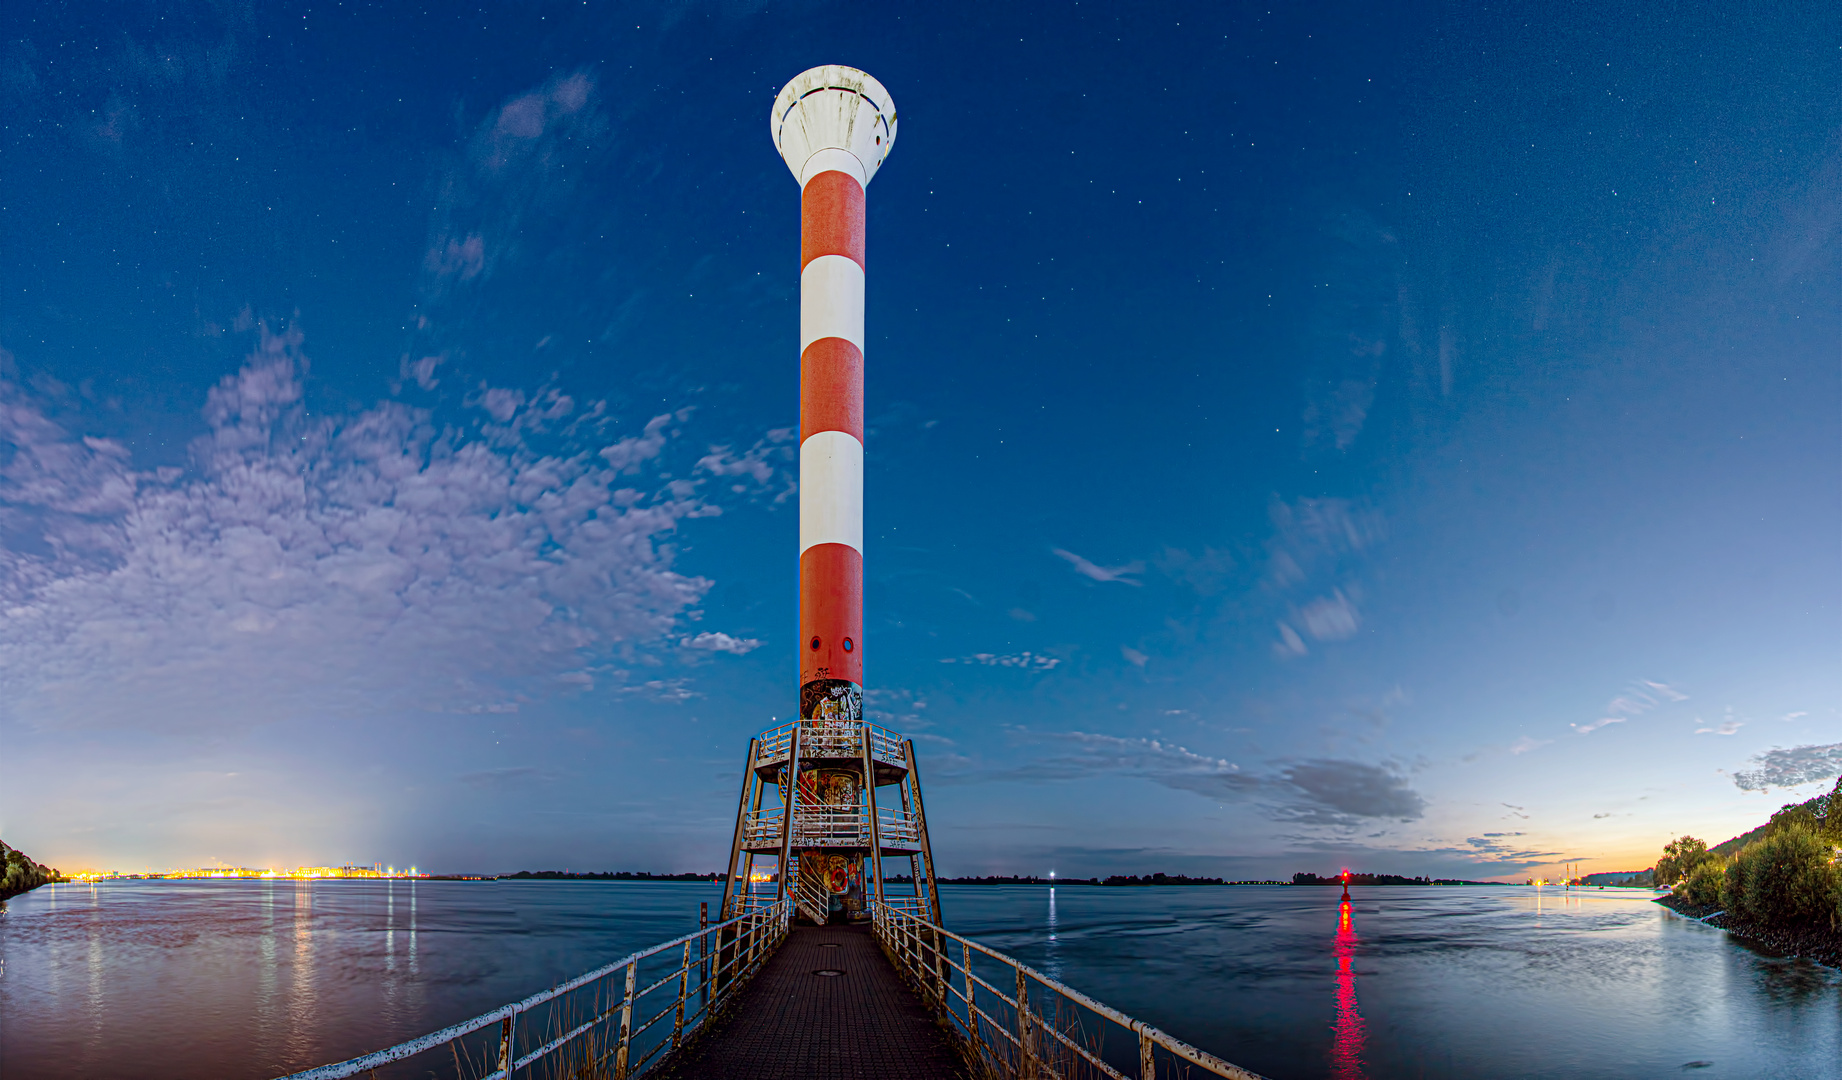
{"points": [[794, 1024], [834, 744]]}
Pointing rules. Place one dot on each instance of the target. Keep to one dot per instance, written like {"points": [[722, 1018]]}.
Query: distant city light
{"points": [[300, 873]]}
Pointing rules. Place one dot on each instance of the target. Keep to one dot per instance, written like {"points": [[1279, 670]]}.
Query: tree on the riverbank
{"points": [[1680, 858], [22, 874]]}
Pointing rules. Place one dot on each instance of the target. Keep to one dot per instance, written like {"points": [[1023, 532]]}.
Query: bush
{"points": [[1785, 879], [1705, 883]]}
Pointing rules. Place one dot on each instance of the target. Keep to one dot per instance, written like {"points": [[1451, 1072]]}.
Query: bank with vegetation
{"points": [[1780, 884], [22, 874]]}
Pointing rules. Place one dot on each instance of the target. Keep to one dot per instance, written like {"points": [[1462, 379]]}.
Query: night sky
{"points": [[1403, 437]]}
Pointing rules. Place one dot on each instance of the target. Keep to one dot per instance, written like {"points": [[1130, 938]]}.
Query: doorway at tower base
{"points": [[841, 878]]}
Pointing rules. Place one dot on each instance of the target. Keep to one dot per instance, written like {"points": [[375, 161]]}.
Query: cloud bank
{"points": [[306, 563], [1791, 767], [1328, 792]]}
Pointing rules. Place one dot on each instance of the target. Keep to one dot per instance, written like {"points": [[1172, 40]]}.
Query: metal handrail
{"points": [[830, 739], [728, 955], [1028, 1044], [823, 826]]}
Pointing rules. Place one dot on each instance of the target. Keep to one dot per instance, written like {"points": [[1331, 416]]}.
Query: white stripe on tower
{"points": [[831, 301], [831, 490]]}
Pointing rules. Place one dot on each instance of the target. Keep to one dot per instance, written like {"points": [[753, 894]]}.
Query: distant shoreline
{"points": [[716, 878], [1820, 944]]}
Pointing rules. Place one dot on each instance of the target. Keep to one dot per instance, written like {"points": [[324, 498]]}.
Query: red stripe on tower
{"points": [[833, 126]]}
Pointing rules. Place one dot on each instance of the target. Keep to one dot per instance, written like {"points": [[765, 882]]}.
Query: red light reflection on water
{"points": [[1346, 1042]]}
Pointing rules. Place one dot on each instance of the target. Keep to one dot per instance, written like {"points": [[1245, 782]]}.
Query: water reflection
{"points": [[96, 963], [267, 959], [301, 1005], [1346, 1041], [1052, 961]]}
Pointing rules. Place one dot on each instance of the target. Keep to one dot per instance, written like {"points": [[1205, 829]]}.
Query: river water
{"points": [[253, 979]]}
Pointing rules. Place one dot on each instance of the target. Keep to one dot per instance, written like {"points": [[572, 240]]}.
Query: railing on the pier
{"points": [[1015, 1022], [596, 1024]]}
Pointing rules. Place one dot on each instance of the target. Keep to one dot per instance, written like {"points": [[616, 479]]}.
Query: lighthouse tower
{"points": [[828, 825]]}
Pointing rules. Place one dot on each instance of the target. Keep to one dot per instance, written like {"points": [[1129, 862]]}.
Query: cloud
{"points": [[1206, 573], [1162, 762], [771, 457], [1499, 845], [896, 708], [1339, 418], [1340, 792], [423, 370], [1133, 656], [1289, 643], [1313, 535], [1318, 792], [664, 691], [1026, 660], [310, 562], [517, 172], [495, 778], [1728, 727], [460, 258], [1633, 702], [1102, 573], [720, 642], [1791, 767], [1331, 618], [1525, 744]]}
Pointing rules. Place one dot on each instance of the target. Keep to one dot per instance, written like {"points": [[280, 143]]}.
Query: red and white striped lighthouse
{"points": [[833, 126], [830, 833]]}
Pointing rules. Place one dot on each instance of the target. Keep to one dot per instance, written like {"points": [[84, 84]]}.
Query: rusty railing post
{"points": [[684, 987], [972, 1007], [505, 1046], [626, 1025], [703, 955], [1147, 1065], [1026, 1059]]}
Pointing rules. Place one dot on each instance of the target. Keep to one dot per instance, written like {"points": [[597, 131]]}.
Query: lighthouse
{"points": [[833, 126], [814, 802]]}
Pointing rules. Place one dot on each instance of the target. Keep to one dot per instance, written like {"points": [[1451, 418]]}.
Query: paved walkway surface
{"points": [[790, 1024]]}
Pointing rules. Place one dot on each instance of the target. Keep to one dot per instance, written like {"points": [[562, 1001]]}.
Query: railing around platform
{"points": [[825, 826], [1015, 1022], [830, 739], [590, 1019]]}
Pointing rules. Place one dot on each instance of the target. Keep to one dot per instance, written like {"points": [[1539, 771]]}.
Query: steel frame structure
{"points": [[791, 823]]}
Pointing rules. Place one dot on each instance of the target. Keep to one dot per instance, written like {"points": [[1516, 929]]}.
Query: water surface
{"points": [[253, 979]]}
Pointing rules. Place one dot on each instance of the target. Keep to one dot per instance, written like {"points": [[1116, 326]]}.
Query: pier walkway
{"points": [[792, 1024], [757, 997]]}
